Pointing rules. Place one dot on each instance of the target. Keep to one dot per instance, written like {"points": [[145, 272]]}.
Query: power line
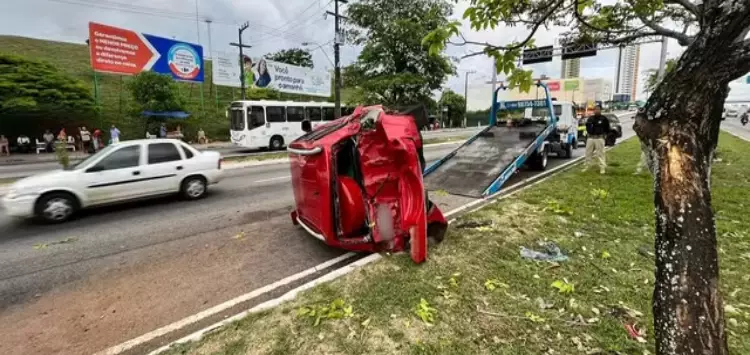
{"points": [[111, 5]]}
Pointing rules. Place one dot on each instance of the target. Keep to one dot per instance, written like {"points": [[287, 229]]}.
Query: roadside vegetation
{"points": [[476, 294]]}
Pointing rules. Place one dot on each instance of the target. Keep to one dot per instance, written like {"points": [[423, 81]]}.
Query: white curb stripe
{"points": [[222, 307]]}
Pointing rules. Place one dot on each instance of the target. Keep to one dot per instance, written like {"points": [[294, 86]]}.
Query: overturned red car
{"points": [[358, 183]]}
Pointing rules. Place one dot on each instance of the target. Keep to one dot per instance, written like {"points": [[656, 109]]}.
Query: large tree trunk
{"points": [[680, 128]]}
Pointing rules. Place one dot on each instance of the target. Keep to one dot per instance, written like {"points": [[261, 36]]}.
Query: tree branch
{"points": [[741, 59], [523, 43], [682, 38], [687, 5], [585, 23]]}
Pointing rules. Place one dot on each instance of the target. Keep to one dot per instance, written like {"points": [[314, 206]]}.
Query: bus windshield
{"points": [[237, 119]]}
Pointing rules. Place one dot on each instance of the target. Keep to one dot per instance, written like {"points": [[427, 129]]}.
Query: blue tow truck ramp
{"points": [[480, 166]]}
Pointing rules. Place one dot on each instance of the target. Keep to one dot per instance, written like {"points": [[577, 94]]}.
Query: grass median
{"points": [[476, 294]]}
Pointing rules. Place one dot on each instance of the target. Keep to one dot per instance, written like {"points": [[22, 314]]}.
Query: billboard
{"points": [[553, 85], [120, 51], [571, 85], [263, 73]]}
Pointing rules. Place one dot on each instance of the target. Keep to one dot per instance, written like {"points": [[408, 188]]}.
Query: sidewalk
{"points": [[33, 158]]}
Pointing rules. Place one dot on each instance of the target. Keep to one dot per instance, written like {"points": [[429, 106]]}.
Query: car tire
{"points": [[193, 188], [539, 160], [56, 207], [276, 143]]}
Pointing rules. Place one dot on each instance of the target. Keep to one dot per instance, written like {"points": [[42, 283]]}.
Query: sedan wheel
{"points": [[194, 188], [56, 208]]}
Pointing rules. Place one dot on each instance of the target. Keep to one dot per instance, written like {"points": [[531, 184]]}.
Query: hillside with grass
{"points": [[206, 102]]}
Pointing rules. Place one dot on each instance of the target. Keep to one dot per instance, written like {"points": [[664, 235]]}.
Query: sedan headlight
{"points": [[21, 192]]}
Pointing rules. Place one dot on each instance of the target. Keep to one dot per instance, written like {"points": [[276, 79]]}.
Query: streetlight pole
{"points": [[242, 57], [466, 93], [337, 55]]}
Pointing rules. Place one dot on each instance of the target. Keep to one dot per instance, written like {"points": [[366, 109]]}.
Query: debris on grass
{"points": [[337, 309], [556, 207], [551, 253], [493, 284], [239, 236], [599, 194], [425, 312], [605, 255], [563, 286], [635, 333]]}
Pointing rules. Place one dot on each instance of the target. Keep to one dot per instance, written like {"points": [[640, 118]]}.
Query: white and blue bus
{"points": [[273, 124]]}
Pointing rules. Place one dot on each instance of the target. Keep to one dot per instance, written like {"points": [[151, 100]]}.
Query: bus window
{"points": [[295, 114], [276, 113], [237, 118], [313, 113], [328, 113], [256, 117]]}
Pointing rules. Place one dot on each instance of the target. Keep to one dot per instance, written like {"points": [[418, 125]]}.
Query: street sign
{"points": [[120, 51], [578, 51], [553, 85], [538, 55]]}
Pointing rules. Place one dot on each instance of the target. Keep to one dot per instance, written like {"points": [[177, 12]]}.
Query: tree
{"points": [[295, 56], [394, 67], [653, 74], [155, 92], [29, 87], [456, 108], [679, 128]]}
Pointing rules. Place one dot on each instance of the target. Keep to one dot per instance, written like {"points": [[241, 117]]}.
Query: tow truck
{"points": [[485, 162]]}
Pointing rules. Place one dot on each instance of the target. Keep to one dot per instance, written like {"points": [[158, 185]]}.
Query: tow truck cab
{"points": [[565, 137]]}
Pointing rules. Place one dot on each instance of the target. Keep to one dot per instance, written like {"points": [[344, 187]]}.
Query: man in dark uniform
{"points": [[597, 127]]}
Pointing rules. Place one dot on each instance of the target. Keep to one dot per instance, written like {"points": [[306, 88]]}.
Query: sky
{"points": [[276, 25]]}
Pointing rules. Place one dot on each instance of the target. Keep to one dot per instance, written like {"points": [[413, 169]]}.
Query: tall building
{"points": [[571, 68], [627, 79]]}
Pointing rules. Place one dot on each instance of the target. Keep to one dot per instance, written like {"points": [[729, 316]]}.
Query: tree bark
{"points": [[680, 127]]}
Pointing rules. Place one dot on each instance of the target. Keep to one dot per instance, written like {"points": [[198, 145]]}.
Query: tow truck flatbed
{"points": [[485, 162]]}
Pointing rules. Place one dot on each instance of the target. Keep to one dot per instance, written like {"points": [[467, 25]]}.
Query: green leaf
{"points": [[605, 255], [534, 318], [563, 286], [493, 284], [425, 312]]}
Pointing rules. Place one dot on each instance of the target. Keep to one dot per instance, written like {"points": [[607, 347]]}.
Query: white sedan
{"points": [[121, 172]]}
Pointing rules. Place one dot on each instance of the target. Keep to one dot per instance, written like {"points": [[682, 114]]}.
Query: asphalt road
{"points": [[17, 170], [118, 272]]}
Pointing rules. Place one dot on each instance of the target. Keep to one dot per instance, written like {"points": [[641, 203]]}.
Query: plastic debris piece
{"points": [[551, 252]]}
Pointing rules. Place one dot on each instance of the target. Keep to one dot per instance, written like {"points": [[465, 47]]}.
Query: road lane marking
{"points": [[117, 349], [273, 179]]}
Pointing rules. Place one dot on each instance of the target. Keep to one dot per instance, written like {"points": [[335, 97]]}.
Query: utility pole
{"points": [[242, 57], [663, 58], [211, 89], [337, 40], [466, 93], [619, 64]]}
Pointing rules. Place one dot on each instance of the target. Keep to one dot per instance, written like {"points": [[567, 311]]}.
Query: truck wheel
{"points": [[539, 160], [566, 152]]}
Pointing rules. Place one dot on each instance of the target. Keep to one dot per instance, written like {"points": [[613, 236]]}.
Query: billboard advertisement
{"points": [[553, 85], [263, 73], [120, 51], [571, 85]]}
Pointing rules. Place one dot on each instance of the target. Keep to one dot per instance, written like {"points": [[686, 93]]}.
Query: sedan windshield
{"points": [[90, 158]]}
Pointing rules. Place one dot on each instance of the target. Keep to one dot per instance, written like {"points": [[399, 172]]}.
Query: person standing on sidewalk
{"points": [[85, 140], [597, 127], [114, 135]]}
